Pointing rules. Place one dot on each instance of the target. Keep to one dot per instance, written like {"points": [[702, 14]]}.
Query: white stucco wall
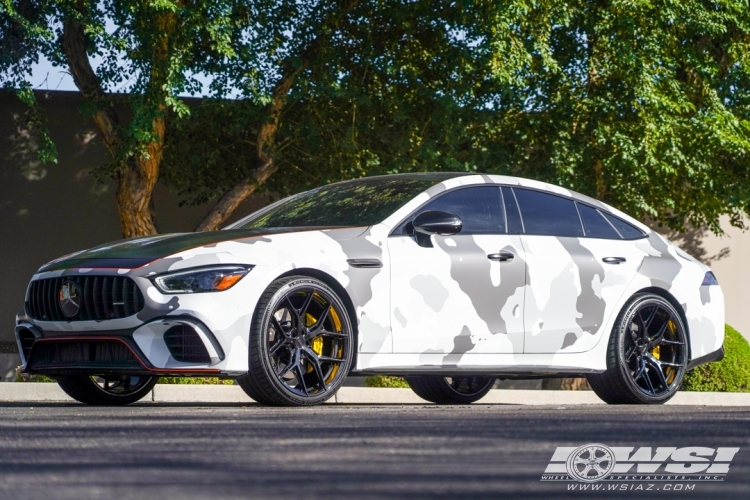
{"points": [[728, 256]]}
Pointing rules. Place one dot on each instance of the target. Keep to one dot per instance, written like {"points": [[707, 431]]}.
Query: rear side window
{"points": [[628, 231], [548, 214], [479, 208], [595, 224]]}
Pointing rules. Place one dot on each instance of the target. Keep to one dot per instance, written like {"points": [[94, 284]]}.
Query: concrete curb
{"points": [[33, 392]]}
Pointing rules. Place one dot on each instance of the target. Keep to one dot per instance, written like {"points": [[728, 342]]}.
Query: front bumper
{"points": [[121, 351], [218, 325]]}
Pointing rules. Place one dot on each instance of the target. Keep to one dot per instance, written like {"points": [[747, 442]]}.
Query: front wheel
{"points": [[106, 390], [300, 344], [450, 390], [647, 354]]}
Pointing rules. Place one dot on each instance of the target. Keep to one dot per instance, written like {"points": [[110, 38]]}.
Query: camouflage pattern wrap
{"points": [[550, 309]]}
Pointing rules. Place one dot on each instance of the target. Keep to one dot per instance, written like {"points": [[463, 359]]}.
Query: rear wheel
{"points": [[106, 390], [450, 390], [647, 354], [300, 344]]}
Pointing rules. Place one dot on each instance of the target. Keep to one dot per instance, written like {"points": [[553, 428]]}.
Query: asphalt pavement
{"points": [[154, 451]]}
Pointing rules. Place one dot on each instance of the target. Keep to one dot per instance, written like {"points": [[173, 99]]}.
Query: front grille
{"points": [[185, 345], [62, 354], [102, 298]]}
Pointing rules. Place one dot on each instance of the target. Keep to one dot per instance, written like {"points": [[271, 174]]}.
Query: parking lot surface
{"points": [[155, 451]]}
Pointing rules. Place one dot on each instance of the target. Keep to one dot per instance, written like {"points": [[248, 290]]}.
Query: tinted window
{"points": [[628, 231], [512, 216], [595, 224], [364, 202], [479, 208], [548, 214]]}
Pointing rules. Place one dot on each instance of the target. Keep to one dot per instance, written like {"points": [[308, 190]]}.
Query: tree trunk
{"points": [[135, 189], [267, 134], [232, 198], [136, 175]]}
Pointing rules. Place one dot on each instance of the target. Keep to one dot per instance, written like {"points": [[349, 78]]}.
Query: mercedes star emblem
{"points": [[70, 299]]}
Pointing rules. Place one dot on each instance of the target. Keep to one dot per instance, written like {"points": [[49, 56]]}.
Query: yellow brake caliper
{"points": [[317, 342], [670, 371]]}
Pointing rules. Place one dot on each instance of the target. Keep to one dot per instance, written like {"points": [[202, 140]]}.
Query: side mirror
{"points": [[435, 222]]}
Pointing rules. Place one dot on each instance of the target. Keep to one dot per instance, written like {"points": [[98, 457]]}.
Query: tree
{"points": [[379, 87], [644, 106], [148, 47]]}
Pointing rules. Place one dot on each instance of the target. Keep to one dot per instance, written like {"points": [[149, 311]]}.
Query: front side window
{"points": [[480, 209], [547, 214]]}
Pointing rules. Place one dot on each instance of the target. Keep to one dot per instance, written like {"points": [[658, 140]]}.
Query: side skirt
{"points": [[496, 364], [717, 355]]}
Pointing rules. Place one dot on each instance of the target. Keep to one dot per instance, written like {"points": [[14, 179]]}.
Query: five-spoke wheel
{"points": [[647, 354], [300, 344], [462, 390]]}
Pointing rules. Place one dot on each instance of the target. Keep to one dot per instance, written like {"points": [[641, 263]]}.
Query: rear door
{"points": [[578, 268], [464, 294]]}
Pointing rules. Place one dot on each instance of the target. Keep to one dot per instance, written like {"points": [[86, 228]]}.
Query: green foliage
{"points": [[25, 377], [195, 381], [36, 121], [643, 105], [732, 374], [153, 53], [386, 381]]}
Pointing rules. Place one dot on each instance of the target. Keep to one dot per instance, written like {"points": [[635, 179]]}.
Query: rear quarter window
{"points": [[627, 231], [595, 224], [548, 214]]}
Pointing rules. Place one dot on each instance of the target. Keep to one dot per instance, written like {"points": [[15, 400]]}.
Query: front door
{"points": [[465, 293]]}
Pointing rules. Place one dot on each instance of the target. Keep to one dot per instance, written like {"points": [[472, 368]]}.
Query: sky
{"points": [[45, 76]]}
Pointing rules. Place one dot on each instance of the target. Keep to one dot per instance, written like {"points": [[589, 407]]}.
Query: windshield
{"points": [[364, 202]]}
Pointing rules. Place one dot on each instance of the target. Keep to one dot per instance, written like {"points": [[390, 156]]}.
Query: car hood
{"points": [[137, 252]]}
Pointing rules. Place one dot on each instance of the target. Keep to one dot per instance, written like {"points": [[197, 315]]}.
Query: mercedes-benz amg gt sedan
{"points": [[449, 280]]}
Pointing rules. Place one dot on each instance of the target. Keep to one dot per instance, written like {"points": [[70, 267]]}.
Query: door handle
{"points": [[502, 256], [613, 260]]}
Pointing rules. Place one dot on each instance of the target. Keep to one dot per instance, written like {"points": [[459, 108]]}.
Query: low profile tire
{"points": [[301, 344], [647, 354], [450, 390], [107, 391]]}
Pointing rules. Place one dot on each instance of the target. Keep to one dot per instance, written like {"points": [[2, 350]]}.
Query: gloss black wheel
{"points": [[107, 390], [300, 344], [450, 390], [647, 354]]}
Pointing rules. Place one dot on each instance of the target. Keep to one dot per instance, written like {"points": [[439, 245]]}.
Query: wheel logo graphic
{"points": [[591, 463]]}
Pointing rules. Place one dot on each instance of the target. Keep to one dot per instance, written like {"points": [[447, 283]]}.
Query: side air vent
{"points": [[26, 339], [185, 345], [97, 298]]}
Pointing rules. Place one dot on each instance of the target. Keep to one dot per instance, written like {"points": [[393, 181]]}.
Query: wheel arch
{"points": [[343, 295], [675, 303]]}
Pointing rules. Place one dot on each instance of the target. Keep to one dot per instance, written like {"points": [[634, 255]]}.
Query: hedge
{"points": [[732, 374]]}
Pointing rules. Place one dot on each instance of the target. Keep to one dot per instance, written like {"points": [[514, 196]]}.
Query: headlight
{"points": [[199, 280]]}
